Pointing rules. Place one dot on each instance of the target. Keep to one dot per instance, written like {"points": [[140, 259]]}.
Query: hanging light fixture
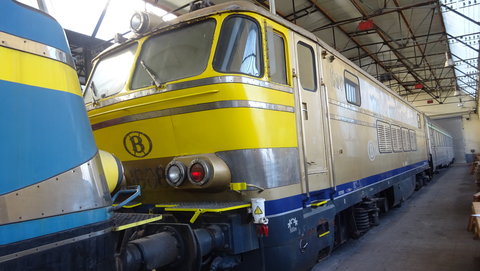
{"points": [[448, 61], [418, 86], [366, 25], [457, 93]]}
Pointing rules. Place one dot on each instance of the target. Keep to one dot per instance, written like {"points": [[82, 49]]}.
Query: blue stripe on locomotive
{"points": [[44, 133], [15, 232], [39, 27], [275, 207]]}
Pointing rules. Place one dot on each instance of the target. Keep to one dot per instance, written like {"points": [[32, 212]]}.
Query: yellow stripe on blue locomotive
{"points": [[33, 70]]}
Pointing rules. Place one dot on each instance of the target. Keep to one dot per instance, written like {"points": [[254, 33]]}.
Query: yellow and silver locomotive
{"points": [[241, 125]]}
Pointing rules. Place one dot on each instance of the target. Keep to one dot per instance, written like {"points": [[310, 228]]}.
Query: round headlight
{"points": [[199, 172], [175, 173], [139, 22]]}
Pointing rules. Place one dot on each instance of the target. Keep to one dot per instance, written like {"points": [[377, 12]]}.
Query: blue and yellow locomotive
{"points": [[55, 206], [52, 190]]}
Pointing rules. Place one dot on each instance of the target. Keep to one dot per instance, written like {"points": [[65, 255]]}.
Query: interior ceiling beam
{"points": [[393, 40], [411, 83], [384, 37], [440, 66], [427, 55], [396, 63], [464, 43], [442, 23], [375, 14], [292, 17], [373, 56], [401, 48], [400, 73], [467, 85], [453, 102], [410, 30], [460, 14], [420, 98], [470, 76], [100, 20], [464, 61], [267, 6]]}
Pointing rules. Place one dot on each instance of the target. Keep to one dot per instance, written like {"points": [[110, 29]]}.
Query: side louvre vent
{"points": [[396, 138], [406, 139], [413, 140], [384, 137]]}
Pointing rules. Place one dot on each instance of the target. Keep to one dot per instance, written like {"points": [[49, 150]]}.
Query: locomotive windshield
{"points": [[111, 74], [174, 55], [180, 53]]}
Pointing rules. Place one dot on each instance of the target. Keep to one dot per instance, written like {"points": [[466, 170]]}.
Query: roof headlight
{"points": [[175, 173], [137, 22], [143, 22]]}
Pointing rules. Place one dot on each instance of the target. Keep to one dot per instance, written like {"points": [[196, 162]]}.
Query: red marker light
{"points": [[197, 172], [262, 230]]}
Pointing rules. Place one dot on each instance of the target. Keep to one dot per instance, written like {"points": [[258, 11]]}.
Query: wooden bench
{"points": [[474, 221]]}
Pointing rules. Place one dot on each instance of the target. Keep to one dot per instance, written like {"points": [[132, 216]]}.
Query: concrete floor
{"points": [[428, 232]]}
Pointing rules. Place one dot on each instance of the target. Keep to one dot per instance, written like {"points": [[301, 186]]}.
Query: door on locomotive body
{"points": [[312, 108]]}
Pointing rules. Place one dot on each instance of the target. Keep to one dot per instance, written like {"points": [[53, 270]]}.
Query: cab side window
{"points": [[276, 57], [352, 89], [306, 66]]}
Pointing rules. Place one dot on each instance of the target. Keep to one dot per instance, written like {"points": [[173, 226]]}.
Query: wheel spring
{"points": [[362, 219]]}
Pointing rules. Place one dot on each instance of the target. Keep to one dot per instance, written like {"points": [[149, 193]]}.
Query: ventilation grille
{"points": [[406, 139], [384, 137], [413, 140], [396, 138]]}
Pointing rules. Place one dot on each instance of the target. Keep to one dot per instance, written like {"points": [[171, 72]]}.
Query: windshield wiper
{"points": [[94, 93], [151, 74]]}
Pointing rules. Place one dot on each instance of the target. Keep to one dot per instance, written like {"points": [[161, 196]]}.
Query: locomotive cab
{"points": [[203, 93]]}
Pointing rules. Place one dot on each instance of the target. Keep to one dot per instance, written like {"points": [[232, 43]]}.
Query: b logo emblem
{"points": [[137, 144]]}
